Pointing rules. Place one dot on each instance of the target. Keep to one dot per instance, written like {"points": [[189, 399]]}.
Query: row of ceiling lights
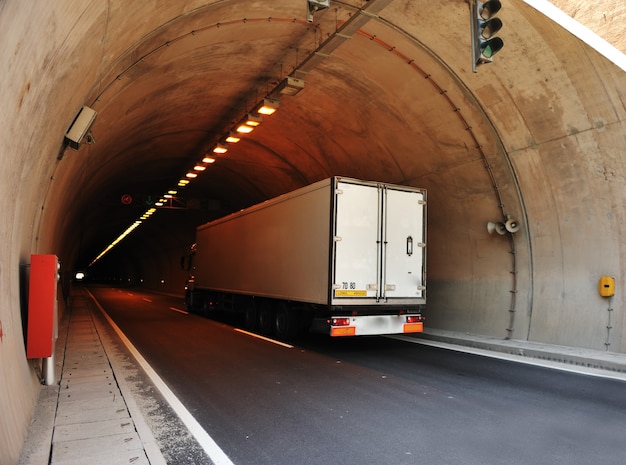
{"points": [[266, 107], [288, 86]]}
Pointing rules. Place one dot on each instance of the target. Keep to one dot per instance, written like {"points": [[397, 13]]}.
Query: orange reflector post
{"points": [[414, 327], [343, 331]]}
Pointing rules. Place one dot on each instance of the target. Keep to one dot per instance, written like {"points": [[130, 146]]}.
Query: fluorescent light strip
{"points": [[267, 106], [121, 237]]}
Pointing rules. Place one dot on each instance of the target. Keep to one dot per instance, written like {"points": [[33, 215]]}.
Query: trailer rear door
{"points": [[403, 244], [379, 244], [357, 235]]}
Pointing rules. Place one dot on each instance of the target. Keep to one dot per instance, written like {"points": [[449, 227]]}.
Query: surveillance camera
{"points": [[80, 127], [314, 6]]}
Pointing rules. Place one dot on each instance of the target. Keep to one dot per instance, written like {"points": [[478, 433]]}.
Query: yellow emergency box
{"points": [[606, 286]]}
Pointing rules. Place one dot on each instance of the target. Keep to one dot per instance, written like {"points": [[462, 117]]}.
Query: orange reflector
{"points": [[414, 327], [343, 331]]}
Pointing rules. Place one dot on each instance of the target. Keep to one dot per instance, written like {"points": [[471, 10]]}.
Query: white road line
{"points": [[146, 299], [258, 336], [215, 453], [179, 310]]}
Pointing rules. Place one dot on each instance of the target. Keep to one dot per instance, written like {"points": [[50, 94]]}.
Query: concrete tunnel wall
{"points": [[566, 174]]}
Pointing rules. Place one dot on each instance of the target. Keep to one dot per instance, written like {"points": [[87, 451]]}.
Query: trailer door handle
{"points": [[409, 246]]}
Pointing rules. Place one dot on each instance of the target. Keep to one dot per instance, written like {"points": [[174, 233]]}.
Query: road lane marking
{"points": [[258, 336], [215, 452], [179, 310], [146, 299]]}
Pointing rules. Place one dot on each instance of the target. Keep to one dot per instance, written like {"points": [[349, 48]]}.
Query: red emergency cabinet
{"points": [[42, 330]]}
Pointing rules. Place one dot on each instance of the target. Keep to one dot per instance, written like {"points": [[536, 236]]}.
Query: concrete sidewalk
{"points": [[593, 361], [91, 415]]}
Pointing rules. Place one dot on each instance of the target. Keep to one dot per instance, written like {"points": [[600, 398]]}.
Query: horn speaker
{"points": [[512, 225], [496, 227]]}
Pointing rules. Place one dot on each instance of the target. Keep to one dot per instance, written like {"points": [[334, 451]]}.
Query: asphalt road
{"points": [[371, 400]]}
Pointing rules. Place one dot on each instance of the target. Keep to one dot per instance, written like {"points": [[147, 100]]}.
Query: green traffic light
{"points": [[491, 47]]}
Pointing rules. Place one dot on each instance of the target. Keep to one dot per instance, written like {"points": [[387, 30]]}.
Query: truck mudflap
{"points": [[365, 325]]}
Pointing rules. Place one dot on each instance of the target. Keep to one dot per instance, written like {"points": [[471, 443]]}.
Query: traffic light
{"points": [[485, 25]]}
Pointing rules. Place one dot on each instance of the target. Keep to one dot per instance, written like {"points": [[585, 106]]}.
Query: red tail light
{"points": [[414, 318], [340, 321]]}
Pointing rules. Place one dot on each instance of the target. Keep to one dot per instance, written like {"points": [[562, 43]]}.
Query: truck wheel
{"points": [[194, 302], [188, 302], [286, 323], [250, 316], [266, 318]]}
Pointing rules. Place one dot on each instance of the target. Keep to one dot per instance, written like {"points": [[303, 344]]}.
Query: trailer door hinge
{"points": [[337, 238]]}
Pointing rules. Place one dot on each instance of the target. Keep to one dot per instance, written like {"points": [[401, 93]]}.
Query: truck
{"points": [[342, 256]]}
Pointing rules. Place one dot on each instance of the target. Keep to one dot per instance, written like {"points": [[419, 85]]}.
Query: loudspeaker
{"points": [[512, 225], [80, 127], [496, 227]]}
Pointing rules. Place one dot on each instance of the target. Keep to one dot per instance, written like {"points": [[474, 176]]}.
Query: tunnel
{"points": [[385, 91]]}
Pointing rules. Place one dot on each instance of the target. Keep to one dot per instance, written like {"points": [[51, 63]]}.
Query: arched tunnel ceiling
{"points": [[382, 106], [396, 102]]}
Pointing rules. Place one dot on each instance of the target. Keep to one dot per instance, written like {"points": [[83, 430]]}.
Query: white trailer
{"points": [[341, 256]]}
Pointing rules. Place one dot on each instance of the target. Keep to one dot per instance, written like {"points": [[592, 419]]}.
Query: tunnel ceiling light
{"points": [[199, 168], [232, 138], [243, 128], [288, 86], [253, 120], [208, 160], [172, 192], [267, 106], [220, 148], [191, 175], [248, 124]]}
